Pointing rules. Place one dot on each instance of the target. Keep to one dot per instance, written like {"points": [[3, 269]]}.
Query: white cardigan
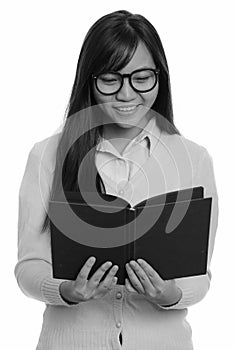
{"points": [[165, 163]]}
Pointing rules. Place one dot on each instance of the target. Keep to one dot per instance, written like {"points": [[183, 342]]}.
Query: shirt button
{"points": [[118, 295], [118, 325], [121, 192]]}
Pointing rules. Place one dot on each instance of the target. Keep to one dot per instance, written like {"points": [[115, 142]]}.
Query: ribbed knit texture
{"points": [[135, 175], [50, 290]]}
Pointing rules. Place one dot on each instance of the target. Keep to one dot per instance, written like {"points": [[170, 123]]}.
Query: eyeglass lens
{"points": [[142, 81]]}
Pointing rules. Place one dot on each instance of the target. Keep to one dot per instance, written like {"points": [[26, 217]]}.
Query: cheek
{"points": [[151, 97], [103, 102], [99, 98]]}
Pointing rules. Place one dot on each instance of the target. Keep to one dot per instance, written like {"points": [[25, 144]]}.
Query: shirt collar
{"points": [[151, 131]]}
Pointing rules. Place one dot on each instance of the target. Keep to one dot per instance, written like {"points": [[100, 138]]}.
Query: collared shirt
{"points": [[175, 163], [120, 168]]}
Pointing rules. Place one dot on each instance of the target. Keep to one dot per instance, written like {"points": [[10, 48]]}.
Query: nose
{"points": [[126, 93]]}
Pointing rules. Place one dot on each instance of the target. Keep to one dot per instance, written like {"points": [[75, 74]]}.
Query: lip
{"points": [[126, 109], [125, 106]]}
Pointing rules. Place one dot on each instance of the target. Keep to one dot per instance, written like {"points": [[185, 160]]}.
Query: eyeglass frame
{"points": [[129, 76]]}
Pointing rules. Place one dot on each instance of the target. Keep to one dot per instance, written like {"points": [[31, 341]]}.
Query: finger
{"points": [[129, 287], [141, 274], [109, 280], [134, 279], [84, 271], [153, 276], [97, 276]]}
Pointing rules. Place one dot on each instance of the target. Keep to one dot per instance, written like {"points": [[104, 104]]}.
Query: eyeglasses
{"points": [[141, 80]]}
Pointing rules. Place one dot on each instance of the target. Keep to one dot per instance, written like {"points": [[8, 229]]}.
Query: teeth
{"points": [[126, 109]]}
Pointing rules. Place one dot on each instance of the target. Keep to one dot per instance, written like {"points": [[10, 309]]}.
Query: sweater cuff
{"points": [[184, 302], [51, 293]]}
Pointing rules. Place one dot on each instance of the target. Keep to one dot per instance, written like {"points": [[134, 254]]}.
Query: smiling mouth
{"points": [[126, 109]]}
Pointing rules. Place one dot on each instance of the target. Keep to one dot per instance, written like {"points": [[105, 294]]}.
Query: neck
{"points": [[114, 131]]}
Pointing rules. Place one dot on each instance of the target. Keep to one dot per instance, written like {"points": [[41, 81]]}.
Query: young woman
{"points": [[122, 71]]}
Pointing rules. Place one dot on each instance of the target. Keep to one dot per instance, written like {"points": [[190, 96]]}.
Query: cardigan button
{"points": [[118, 295], [118, 325]]}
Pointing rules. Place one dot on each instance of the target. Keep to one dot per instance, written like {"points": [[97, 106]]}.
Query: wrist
{"points": [[64, 294], [171, 299]]}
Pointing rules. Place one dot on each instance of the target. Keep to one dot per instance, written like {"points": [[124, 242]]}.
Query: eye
{"points": [[108, 78], [141, 78], [144, 75]]}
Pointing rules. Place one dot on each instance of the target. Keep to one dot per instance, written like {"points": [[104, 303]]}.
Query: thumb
{"points": [[129, 287]]}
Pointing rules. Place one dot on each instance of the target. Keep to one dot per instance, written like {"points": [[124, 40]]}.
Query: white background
{"points": [[40, 45]]}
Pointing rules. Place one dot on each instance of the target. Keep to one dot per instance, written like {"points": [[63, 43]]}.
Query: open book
{"points": [[170, 231]]}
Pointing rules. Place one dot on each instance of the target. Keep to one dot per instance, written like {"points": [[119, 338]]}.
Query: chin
{"points": [[125, 126]]}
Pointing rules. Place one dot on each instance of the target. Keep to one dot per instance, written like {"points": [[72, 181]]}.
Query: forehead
{"points": [[142, 58]]}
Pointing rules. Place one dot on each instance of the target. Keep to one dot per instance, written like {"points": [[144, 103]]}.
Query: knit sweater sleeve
{"points": [[195, 288], [33, 270]]}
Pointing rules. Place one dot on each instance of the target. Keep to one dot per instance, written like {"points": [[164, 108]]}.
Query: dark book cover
{"points": [[170, 231]]}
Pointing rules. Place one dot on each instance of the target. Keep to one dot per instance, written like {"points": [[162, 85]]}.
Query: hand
{"points": [[83, 289], [146, 280]]}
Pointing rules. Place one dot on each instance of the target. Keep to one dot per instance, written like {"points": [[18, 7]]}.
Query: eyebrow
{"points": [[141, 67]]}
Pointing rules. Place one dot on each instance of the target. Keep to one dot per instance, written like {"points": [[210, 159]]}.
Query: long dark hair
{"points": [[109, 45]]}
